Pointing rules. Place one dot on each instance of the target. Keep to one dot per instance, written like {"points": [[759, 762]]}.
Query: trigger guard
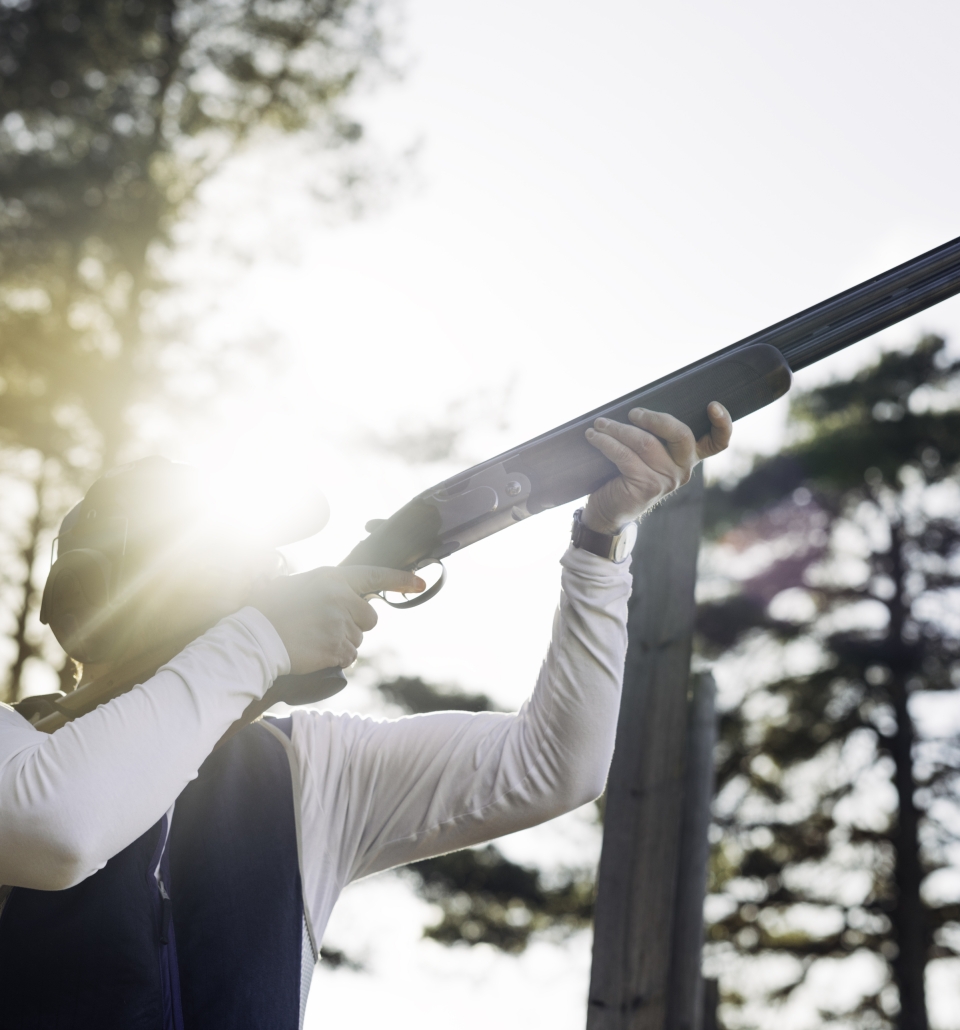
{"points": [[427, 594]]}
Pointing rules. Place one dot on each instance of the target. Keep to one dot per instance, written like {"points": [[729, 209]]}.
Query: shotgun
{"points": [[560, 466]]}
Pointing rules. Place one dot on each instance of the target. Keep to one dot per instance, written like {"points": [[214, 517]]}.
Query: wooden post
{"points": [[685, 998], [635, 912], [711, 1003]]}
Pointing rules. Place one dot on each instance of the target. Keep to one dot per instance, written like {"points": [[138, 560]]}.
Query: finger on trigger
{"points": [[372, 579]]}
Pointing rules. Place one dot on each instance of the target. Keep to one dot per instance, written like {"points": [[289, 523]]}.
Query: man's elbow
{"points": [[49, 863], [578, 790], [589, 788], [73, 854], [67, 868]]}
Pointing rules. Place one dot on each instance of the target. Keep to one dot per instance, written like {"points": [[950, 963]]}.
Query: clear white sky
{"points": [[604, 192]]}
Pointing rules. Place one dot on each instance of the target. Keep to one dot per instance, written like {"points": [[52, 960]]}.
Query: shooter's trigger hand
{"points": [[321, 616], [655, 453]]}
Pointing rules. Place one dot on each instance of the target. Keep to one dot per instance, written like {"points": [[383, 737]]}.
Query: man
{"points": [[142, 893]]}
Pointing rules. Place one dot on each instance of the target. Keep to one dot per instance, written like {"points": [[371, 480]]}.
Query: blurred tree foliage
{"points": [[484, 897], [111, 115], [487, 899], [835, 589], [415, 696]]}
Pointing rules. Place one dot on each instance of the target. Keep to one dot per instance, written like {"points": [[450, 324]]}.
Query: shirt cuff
{"points": [[262, 630]]}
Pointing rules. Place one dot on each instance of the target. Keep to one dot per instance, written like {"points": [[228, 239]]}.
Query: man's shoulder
{"points": [[11, 719]]}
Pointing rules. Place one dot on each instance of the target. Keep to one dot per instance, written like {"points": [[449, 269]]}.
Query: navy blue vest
{"points": [[221, 952]]}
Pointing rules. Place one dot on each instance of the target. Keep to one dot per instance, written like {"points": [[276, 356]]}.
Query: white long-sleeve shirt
{"points": [[372, 793]]}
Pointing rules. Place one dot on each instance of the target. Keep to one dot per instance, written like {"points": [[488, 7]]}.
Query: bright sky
{"points": [[603, 193]]}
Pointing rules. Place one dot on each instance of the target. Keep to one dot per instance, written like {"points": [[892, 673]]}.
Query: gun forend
{"points": [[560, 465]]}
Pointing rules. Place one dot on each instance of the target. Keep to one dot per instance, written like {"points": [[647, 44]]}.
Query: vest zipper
{"points": [[169, 973], [165, 907]]}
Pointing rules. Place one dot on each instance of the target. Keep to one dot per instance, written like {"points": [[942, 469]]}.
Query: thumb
{"points": [[371, 579], [721, 429]]}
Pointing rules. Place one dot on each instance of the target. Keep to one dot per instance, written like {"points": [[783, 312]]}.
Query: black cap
{"points": [[146, 503]]}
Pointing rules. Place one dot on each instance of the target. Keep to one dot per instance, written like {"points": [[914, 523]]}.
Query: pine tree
{"points": [[112, 113], [832, 601]]}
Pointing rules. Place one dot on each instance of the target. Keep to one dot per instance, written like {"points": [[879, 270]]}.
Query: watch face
{"points": [[625, 541]]}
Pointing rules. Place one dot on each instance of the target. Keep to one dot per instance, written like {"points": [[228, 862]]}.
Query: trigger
{"points": [[430, 592]]}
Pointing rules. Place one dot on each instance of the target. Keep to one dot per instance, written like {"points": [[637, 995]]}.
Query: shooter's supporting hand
{"points": [[655, 455], [321, 616]]}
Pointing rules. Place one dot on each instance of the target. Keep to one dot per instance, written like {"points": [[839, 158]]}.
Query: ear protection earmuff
{"points": [[76, 603]]}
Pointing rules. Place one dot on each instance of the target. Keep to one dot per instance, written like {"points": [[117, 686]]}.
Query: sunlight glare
{"points": [[266, 490]]}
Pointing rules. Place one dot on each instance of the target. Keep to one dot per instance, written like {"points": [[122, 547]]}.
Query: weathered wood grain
{"points": [[633, 942]]}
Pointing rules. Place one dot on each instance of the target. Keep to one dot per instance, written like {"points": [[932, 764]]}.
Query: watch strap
{"points": [[602, 544]]}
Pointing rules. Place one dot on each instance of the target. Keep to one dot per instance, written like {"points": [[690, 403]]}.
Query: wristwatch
{"points": [[617, 547]]}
